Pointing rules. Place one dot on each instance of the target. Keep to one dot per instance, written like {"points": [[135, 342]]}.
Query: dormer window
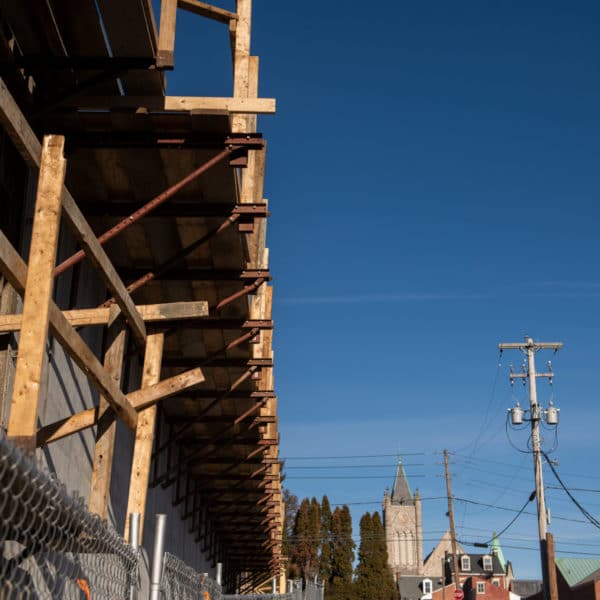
{"points": [[465, 563], [427, 586], [487, 563]]}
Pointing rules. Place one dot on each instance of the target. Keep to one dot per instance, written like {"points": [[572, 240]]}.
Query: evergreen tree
{"points": [[342, 555], [326, 549], [289, 518], [374, 578], [304, 547]]}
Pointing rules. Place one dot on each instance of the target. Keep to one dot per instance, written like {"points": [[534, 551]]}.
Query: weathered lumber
{"points": [[139, 399], [18, 129], [165, 56], [15, 270], [210, 105], [38, 294], [107, 426], [207, 10], [144, 436], [150, 313]]}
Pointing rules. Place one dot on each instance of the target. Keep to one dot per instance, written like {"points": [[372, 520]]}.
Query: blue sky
{"points": [[433, 178]]}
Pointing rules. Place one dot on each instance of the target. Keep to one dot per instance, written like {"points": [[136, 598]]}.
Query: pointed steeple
{"points": [[401, 490], [496, 549]]}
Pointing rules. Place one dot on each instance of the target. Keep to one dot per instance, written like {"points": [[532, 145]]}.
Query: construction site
{"points": [[139, 449]]}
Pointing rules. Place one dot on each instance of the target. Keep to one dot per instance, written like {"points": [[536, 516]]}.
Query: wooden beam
{"points": [[144, 436], [15, 270], [38, 295], [207, 10], [28, 145], [165, 56], [209, 105], [89, 242], [139, 399], [107, 426], [150, 313], [239, 123]]}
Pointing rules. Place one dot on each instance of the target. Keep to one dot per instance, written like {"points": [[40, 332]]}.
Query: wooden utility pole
{"points": [[529, 347], [451, 518]]}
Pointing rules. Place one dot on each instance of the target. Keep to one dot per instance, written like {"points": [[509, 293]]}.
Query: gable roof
{"points": [[575, 570], [401, 490]]}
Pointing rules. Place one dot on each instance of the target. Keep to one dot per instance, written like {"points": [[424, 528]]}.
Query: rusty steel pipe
{"points": [[144, 210], [174, 260], [243, 292]]}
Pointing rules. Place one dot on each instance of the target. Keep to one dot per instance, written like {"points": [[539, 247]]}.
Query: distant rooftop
{"points": [[575, 570]]}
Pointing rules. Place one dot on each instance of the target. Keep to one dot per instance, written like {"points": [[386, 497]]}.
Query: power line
{"points": [[388, 466], [307, 457]]}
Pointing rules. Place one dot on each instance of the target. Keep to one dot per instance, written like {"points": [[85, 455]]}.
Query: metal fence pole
{"points": [[134, 536], [160, 528], [219, 574]]}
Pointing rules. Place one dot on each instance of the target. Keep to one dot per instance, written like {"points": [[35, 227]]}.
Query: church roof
{"points": [[401, 491]]}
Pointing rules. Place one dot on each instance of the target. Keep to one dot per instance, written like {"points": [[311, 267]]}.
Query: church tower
{"points": [[403, 527]]}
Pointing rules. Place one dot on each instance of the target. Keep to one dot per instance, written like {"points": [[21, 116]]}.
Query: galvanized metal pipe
{"points": [[134, 541], [158, 555], [219, 575]]}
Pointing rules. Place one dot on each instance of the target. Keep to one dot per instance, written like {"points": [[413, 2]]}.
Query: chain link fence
{"points": [[50, 545], [181, 582]]}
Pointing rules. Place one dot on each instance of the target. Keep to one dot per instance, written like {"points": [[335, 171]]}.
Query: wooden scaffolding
{"points": [[164, 196]]}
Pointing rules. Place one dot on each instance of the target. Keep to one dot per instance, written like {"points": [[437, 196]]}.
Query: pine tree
{"points": [[314, 529], [326, 550], [374, 578], [299, 547], [289, 518], [342, 555]]}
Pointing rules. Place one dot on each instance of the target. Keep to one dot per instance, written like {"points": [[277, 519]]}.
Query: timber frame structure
{"points": [[164, 197]]}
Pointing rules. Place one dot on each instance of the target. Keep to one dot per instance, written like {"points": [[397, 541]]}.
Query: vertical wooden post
{"points": [[241, 60], [106, 429], [552, 583], [144, 435], [38, 294], [165, 56]]}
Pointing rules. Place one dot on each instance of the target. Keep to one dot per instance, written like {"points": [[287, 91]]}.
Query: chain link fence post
{"points": [[160, 528]]}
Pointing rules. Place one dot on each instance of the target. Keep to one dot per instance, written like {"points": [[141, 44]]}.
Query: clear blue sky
{"points": [[433, 176]]}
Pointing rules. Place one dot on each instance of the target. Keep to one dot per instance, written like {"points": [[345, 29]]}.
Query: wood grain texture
{"points": [[139, 399], [38, 292], [144, 436], [107, 426], [15, 270]]}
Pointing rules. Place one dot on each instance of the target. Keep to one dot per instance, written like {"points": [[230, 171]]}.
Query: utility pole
{"points": [[529, 347], [451, 518]]}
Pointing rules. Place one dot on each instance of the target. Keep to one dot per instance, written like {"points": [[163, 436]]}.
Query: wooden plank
{"points": [[144, 436], [139, 399], [29, 147], [150, 313], [38, 294], [94, 251], [107, 426], [15, 270], [241, 60], [209, 105], [208, 10], [165, 56]]}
